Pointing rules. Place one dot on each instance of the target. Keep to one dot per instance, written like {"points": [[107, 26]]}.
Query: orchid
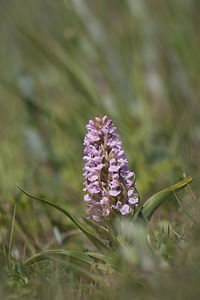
{"points": [[110, 186]]}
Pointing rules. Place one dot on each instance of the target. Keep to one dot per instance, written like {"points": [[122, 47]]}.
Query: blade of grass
{"points": [[194, 197], [80, 269], [11, 237], [71, 254], [66, 253], [184, 209], [98, 256], [27, 239]]}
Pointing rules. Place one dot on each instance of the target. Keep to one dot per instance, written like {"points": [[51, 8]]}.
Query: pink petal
{"points": [[125, 209], [133, 200], [114, 168], [114, 193]]}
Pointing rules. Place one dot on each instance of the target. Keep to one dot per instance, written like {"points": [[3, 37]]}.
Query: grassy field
{"points": [[61, 64]]}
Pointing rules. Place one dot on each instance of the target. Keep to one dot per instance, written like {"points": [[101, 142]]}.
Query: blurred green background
{"points": [[65, 62]]}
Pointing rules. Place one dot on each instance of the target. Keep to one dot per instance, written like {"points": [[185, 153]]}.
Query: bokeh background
{"points": [[65, 62]]}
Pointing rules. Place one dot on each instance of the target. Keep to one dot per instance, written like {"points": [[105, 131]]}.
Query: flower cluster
{"points": [[109, 184]]}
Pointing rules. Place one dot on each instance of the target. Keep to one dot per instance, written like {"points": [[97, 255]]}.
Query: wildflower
{"points": [[110, 186]]}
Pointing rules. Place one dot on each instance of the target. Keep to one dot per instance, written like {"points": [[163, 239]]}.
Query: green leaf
{"points": [[97, 256], [65, 253], [98, 243], [156, 200], [75, 260]]}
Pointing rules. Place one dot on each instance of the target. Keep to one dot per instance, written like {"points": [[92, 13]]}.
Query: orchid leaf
{"points": [[78, 256], [97, 242], [156, 200]]}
